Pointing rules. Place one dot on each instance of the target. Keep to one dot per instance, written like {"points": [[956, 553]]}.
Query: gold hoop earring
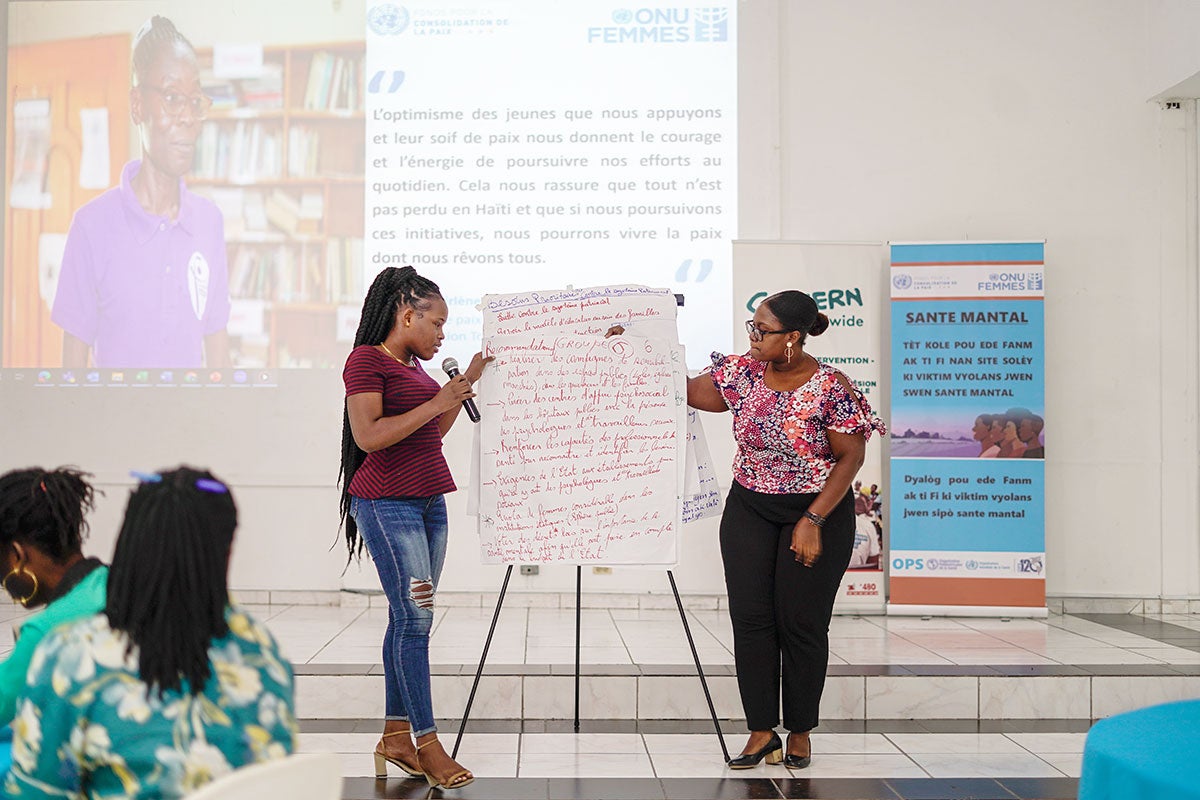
{"points": [[789, 352], [24, 601]]}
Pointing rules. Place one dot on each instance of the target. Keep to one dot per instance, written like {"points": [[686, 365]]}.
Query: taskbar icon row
{"points": [[145, 377]]}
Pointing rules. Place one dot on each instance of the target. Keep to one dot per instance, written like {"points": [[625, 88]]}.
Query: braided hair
{"points": [[46, 509], [156, 35], [796, 311], [167, 586], [392, 290]]}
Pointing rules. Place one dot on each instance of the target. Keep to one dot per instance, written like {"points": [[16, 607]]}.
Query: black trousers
{"points": [[780, 608]]}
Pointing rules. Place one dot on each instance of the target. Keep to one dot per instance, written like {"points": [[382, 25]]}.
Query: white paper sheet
{"points": [[583, 441], [94, 166]]}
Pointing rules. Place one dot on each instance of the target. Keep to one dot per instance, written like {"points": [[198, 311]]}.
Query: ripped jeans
{"points": [[406, 537]]}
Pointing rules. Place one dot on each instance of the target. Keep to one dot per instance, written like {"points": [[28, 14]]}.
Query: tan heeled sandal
{"points": [[455, 781], [382, 759]]}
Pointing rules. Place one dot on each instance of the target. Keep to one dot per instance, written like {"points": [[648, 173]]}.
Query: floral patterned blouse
{"points": [[782, 444], [86, 727]]}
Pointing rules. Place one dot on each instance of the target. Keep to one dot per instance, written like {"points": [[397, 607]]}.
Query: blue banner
{"points": [[968, 405]]}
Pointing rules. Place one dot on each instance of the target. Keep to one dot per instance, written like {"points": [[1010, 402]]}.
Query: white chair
{"points": [[304, 776]]}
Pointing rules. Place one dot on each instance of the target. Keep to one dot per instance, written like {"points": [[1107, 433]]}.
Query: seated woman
{"points": [[170, 687], [42, 528]]}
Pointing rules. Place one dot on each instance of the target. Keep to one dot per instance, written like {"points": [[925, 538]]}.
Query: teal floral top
{"points": [[86, 726]]}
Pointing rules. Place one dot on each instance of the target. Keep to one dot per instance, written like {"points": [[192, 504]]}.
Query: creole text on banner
{"points": [[968, 399]]}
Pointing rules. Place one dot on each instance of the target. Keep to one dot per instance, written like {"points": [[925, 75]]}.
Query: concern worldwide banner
{"points": [[968, 398], [846, 282]]}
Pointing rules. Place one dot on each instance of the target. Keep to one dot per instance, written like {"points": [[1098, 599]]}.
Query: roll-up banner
{"points": [[968, 403], [846, 281]]}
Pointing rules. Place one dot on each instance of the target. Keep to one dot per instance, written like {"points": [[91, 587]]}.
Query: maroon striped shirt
{"points": [[413, 466]]}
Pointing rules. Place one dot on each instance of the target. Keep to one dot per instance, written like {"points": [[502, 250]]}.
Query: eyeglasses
{"points": [[757, 333], [203, 484], [175, 102]]}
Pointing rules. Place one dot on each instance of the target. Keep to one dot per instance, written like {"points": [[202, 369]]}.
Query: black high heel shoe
{"points": [[793, 761], [772, 752]]}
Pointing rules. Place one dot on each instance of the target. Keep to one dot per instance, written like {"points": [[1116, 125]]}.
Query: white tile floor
{"points": [[531, 635], [526, 635], [597, 755], [333, 635]]}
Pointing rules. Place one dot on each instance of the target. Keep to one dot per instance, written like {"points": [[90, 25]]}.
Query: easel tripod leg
{"points": [[482, 660], [699, 669], [578, 619]]}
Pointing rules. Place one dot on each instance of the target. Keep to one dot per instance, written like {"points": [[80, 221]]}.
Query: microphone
{"points": [[450, 367]]}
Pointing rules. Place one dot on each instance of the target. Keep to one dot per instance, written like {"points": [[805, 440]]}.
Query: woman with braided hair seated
{"points": [[171, 686], [42, 527]]}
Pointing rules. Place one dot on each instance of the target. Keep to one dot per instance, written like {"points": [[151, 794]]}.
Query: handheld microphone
{"points": [[450, 367]]}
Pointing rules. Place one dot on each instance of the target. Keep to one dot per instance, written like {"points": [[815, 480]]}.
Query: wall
{"points": [[982, 120], [868, 120], [1172, 44]]}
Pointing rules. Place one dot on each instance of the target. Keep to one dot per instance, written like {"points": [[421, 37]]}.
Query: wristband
{"points": [[815, 518]]}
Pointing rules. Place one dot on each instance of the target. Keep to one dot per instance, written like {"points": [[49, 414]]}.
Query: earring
{"points": [[788, 351], [24, 601]]}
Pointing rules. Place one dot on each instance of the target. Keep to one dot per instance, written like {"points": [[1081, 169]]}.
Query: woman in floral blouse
{"points": [[787, 531], [170, 687]]}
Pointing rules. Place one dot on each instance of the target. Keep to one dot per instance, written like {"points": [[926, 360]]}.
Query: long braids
{"points": [[167, 586], [392, 289], [47, 509]]}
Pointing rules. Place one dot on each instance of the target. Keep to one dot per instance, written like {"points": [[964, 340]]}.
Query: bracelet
{"points": [[815, 518]]}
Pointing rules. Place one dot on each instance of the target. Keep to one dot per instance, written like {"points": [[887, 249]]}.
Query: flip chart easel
{"points": [[552, 342], [578, 619]]}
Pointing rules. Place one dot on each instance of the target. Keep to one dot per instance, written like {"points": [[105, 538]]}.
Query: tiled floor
{"points": [[330, 635], [854, 757], [697, 755], [894, 731]]}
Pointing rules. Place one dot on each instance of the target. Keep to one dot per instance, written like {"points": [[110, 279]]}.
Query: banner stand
{"points": [[968, 456], [578, 619]]}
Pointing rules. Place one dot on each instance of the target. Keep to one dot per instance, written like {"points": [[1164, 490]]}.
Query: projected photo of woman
{"points": [[144, 281]]}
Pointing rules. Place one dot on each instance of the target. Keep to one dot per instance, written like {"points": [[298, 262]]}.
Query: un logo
{"points": [[388, 19], [902, 281], [622, 16]]}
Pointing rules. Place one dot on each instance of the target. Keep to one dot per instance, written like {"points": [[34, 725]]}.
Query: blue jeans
{"points": [[406, 537]]}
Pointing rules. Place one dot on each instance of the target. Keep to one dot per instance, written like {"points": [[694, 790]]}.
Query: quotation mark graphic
{"points": [[681, 274], [377, 81]]}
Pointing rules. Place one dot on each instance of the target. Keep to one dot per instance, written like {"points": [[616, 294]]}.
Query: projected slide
{"points": [[518, 146], [216, 206]]}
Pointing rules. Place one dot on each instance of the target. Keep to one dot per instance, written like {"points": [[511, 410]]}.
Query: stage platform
{"points": [[914, 707]]}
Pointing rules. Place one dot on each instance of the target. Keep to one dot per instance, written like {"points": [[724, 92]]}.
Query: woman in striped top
{"points": [[394, 478]]}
